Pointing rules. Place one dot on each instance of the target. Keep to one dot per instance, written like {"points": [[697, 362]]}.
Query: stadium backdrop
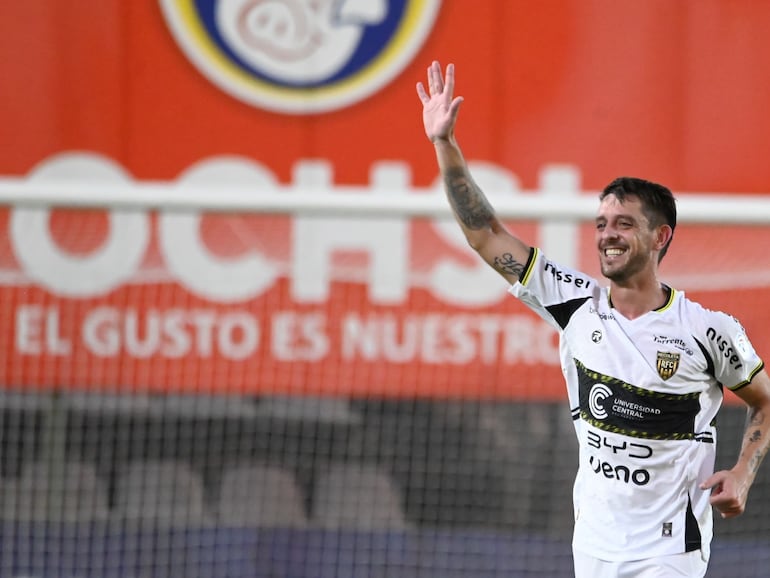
{"points": [[672, 91]]}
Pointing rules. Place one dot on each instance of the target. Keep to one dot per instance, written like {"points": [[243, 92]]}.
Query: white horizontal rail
{"points": [[358, 201]]}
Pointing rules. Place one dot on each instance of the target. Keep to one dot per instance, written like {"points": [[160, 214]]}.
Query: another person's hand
{"points": [[439, 108]]}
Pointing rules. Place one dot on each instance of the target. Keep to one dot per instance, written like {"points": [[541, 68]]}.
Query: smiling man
{"points": [[644, 367]]}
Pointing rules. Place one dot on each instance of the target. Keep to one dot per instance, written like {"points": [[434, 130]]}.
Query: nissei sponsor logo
{"points": [[300, 56], [566, 276], [725, 348]]}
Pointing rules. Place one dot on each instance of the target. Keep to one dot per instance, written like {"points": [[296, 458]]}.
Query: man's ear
{"points": [[663, 238]]}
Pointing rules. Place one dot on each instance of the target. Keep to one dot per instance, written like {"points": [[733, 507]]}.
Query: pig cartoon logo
{"points": [[300, 56]]}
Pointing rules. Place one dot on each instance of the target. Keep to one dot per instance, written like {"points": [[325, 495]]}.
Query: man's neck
{"points": [[634, 300]]}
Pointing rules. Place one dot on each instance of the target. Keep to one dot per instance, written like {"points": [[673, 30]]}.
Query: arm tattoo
{"points": [[505, 263], [756, 459], [468, 202], [756, 419]]}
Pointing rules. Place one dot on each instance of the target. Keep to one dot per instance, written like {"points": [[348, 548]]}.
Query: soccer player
{"points": [[644, 367]]}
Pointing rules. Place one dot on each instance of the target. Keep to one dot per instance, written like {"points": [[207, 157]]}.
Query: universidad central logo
{"points": [[300, 56]]}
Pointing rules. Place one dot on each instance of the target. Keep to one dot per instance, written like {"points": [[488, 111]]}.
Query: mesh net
{"points": [[260, 396]]}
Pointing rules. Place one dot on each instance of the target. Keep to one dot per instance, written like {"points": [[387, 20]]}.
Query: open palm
{"points": [[439, 108]]}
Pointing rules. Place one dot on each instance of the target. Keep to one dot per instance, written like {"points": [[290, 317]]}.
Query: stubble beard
{"points": [[625, 271]]}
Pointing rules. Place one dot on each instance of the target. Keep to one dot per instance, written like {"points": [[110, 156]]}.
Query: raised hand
{"points": [[439, 108]]}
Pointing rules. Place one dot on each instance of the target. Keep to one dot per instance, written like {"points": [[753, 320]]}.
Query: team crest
{"points": [[667, 364], [300, 56]]}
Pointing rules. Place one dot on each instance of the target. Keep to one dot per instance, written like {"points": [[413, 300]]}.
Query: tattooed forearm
{"points": [[754, 438], [755, 460], [468, 202], [505, 263]]}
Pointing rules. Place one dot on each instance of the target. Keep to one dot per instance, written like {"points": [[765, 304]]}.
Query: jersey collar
{"points": [[670, 294]]}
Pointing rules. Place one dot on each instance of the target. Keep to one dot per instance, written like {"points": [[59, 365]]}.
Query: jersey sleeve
{"points": [[734, 358], [552, 291]]}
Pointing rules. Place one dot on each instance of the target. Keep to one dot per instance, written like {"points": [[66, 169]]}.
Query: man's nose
{"points": [[609, 232]]}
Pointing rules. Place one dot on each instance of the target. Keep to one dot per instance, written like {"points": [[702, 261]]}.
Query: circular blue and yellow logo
{"points": [[300, 56]]}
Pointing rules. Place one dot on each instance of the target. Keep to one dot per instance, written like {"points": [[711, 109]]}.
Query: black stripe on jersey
{"points": [[705, 437], [709, 360], [523, 277], [692, 537], [612, 405], [563, 312]]}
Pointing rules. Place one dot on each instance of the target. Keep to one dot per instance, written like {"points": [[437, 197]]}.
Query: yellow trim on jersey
{"points": [[668, 303], [745, 382], [527, 273]]}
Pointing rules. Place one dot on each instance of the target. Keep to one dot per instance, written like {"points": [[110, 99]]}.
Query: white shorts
{"points": [[688, 565]]}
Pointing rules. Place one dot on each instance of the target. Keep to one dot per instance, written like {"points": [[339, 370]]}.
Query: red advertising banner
{"points": [[265, 94]]}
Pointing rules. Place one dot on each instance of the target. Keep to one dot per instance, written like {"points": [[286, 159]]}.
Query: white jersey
{"points": [[644, 394]]}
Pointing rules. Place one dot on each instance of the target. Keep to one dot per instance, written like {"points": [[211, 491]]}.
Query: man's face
{"points": [[624, 239]]}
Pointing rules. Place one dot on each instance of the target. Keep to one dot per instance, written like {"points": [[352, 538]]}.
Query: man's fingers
{"points": [[454, 108], [439, 79], [456, 103], [728, 509], [437, 85], [422, 94], [435, 80], [714, 480], [450, 81]]}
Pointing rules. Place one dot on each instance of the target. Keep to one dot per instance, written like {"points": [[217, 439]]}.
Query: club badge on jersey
{"points": [[667, 363]]}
